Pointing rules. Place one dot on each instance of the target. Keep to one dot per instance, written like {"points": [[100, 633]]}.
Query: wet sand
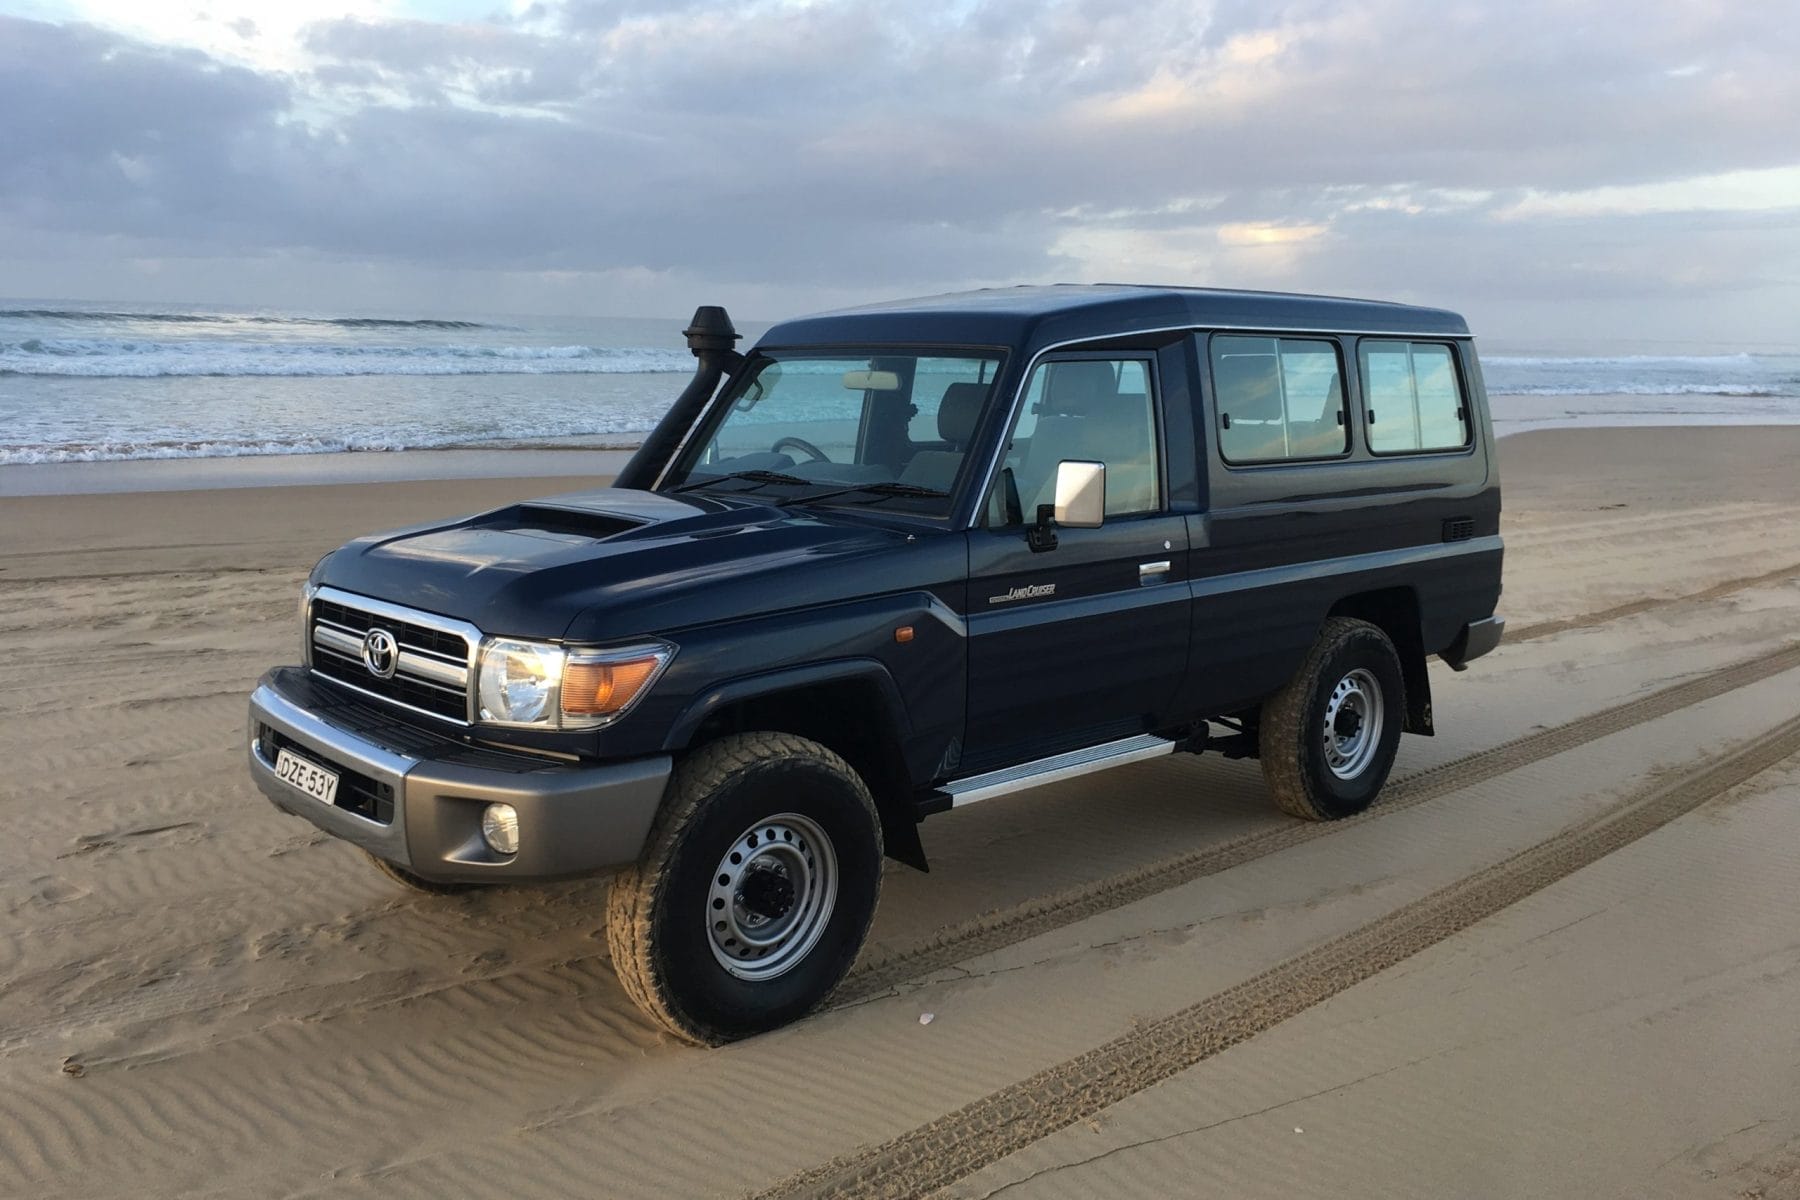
{"points": [[201, 996], [299, 470]]}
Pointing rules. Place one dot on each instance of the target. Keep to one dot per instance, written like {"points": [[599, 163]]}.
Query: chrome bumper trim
{"points": [[271, 708]]}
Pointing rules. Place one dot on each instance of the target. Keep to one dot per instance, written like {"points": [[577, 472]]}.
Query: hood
{"points": [[612, 563]]}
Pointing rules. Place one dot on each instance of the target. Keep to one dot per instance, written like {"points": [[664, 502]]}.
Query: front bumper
{"points": [[415, 798]]}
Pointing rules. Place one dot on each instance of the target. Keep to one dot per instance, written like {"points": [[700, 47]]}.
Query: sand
{"points": [[201, 996], [276, 470]]}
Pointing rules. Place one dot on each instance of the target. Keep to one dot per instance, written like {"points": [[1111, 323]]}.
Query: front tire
{"points": [[754, 892], [419, 883], [1327, 740]]}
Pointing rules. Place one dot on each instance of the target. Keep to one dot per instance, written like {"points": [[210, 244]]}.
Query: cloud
{"points": [[858, 149], [1768, 190], [111, 136]]}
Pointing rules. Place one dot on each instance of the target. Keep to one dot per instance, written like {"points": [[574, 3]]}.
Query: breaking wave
{"points": [[163, 318], [118, 358]]}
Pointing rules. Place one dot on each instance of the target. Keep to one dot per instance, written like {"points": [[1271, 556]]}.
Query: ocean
{"points": [[96, 382], [90, 382]]}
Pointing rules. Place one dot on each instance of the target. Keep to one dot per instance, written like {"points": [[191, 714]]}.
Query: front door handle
{"points": [[1150, 570]]}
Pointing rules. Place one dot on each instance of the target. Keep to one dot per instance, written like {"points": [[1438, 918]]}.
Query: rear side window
{"points": [[1414, 398], [1278, 399]]}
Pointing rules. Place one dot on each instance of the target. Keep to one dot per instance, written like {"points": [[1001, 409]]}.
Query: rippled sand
{"points": [[199, 995]]}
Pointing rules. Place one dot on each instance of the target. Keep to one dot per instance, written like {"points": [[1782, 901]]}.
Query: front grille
{"points": [[432, 674], [356, 792]]}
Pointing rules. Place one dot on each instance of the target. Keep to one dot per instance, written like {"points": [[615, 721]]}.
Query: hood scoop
{"points": [[568, 522]]}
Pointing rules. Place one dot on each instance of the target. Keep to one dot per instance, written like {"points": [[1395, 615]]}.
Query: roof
{"points": [[1054, 313]]}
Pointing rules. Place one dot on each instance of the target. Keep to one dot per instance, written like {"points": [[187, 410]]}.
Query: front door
{"points": [[1086, 642]]}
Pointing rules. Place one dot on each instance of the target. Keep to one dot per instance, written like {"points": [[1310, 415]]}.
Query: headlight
{"points": [[519, 681], [552, 687]]}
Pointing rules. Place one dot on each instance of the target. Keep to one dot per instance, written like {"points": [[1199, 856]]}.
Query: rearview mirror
{"points": [[872, 381]]}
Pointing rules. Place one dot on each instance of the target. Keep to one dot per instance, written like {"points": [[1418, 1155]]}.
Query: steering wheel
{"points": [[802, 445]]}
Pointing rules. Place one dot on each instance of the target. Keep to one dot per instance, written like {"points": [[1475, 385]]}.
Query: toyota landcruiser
{"points": [[891, 561]]}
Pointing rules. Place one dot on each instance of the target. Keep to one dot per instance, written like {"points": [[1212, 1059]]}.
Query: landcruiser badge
{"points": [[1029, 592], [381, 654]]}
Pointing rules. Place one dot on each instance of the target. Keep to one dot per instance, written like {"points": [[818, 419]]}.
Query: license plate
{"points": [[310, 778]]}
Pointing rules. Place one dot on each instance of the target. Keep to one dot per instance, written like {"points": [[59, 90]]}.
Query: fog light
{"points": [[500, 826]]}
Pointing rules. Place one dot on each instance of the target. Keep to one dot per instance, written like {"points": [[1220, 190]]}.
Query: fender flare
{"points": [[790, 679], [899, 818]]}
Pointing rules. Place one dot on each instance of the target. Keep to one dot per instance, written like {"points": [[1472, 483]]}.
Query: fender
{"points": [[789, 679], [899, 820]]}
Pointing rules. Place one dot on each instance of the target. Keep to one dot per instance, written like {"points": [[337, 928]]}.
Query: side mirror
{"points": [[1080, 494], [1080, 503]]}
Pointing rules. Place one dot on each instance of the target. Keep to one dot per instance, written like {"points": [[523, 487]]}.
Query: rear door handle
{"points": [[1150, 569]]}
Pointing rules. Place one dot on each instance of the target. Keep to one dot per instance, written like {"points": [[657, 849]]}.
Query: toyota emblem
{"points": [[380, 653]]}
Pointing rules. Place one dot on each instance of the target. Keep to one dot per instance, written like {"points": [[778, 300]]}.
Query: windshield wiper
{"points": [[882, 491], [756, 478]]}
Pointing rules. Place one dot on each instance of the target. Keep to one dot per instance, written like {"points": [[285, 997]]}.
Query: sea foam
{"points": [[119, 358]]}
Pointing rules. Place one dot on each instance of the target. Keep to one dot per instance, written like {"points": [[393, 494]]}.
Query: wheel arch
{"points": [[852, 707], [1395, 611]]}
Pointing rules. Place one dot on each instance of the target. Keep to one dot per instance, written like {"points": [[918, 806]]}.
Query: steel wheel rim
{"points": [[1354, 714], [771, 897]]}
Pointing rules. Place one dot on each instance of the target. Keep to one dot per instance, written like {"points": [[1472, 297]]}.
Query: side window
{"points": [[1414, 398], [1278, 399], [1089, 410], [931, 380]]}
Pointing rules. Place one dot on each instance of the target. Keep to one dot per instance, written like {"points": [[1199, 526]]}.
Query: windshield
{"points": [[853, 427]]}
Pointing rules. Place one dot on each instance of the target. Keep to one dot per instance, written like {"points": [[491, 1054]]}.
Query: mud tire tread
{"points": [[636, 891], [1291, 763]]}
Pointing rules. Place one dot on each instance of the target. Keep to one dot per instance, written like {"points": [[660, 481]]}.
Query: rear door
{"points": [[1086, 642]]}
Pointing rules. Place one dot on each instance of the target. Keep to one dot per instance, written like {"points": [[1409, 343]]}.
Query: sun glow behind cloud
{"points": [[1769, 190], [265, 35]]}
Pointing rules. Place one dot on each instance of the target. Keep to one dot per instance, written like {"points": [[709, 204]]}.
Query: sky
{"points": [[1557, 171]]}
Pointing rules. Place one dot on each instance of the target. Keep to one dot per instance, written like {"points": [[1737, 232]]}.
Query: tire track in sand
{"points": [[998, 929], [994, 930], [1005, 927], [959, 1143], [1718, 591]]}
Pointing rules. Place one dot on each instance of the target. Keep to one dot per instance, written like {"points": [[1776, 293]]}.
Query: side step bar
{"points": [[1052, 769]]}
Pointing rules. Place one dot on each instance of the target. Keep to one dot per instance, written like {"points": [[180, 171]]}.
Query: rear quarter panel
{"points": [[1278, 545]]}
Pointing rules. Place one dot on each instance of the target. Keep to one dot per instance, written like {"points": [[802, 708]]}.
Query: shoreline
{"points": [[307, 470], [591, 455]]}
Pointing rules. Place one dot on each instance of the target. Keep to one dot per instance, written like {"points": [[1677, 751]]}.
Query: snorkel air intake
{"points": [[710, 336]]}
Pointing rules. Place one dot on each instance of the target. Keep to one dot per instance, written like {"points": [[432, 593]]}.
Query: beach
{"points": [[1559, 958], [170, 388]]}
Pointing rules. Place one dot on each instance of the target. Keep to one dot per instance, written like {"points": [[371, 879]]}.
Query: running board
{"points": [[1056, 767]]}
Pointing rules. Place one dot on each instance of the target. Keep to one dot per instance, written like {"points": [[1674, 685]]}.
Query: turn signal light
{"points": [[593, 689]]}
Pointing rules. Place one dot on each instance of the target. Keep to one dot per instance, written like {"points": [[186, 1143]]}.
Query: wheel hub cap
{"points": [[771, 897], [767, 893], [1354, 713]]}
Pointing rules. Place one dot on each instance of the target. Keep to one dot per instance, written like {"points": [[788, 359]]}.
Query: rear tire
{"points": [[754, 892], [1327, 739]]}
